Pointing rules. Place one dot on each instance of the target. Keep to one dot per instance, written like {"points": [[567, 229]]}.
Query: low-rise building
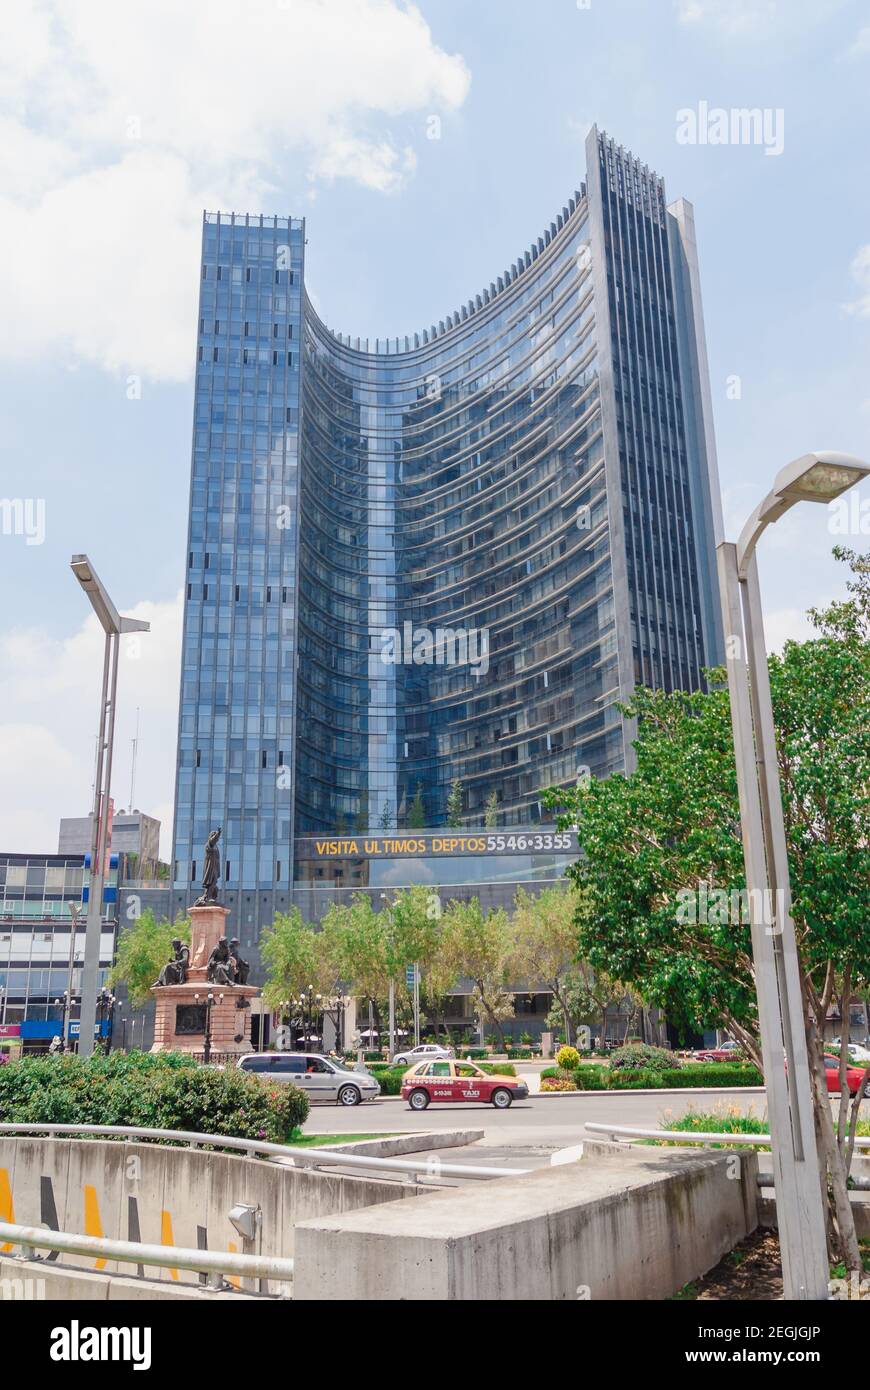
{"points": [[41, 953]]}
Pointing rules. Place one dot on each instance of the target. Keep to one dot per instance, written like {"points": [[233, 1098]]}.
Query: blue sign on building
{"points": [[51, 1028]]}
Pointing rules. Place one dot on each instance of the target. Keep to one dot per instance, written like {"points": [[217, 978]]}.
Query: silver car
{"points": [[423, 1052], [321, 1078]]}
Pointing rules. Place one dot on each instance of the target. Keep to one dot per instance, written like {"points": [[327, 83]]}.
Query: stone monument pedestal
{"points": [[181, 1010]]}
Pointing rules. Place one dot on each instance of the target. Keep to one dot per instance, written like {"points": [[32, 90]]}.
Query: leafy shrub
{"points": [[519, 1053], [157, 1091], [641, 1058], [557, 1083], [475, 1053], [390, 1079], [591, 1077], [568, 1058]]}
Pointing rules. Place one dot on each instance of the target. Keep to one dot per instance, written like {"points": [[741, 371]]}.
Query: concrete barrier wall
{"points": [[26, 1281], [623, 1226], [168, 1196]]}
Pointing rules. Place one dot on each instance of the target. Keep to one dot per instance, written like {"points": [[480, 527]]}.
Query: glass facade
{"points": [[445, 557], [38, 959]]}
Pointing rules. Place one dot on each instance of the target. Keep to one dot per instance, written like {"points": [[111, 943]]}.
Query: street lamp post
{"points": [[113, 626], [797, 1173], [65, 1002], [338, 1002], [106, 1003], [209, 1003]]}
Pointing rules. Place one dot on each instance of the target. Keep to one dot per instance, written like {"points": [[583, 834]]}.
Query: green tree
{"points": [[478, 945], [454, 804], [143, 950], [545, 944], [417, 813], [294, 957], [490, 812], [356, 948], [386, 818], [663, 859]]}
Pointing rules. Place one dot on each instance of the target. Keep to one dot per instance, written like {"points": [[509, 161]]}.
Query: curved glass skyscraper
{"points": [[441, 559]]}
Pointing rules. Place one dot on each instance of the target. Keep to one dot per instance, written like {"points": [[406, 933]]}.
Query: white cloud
{"points": [[381, 167], [756, 19], [862, 43], [119, 123], [56, 681], [784, 624], [860, 270]]}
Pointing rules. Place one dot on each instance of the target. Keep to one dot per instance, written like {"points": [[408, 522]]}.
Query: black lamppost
{"points": [[106, 1002], [65, 1002], [209, 1001], [310, 1003], [338, 1003]]}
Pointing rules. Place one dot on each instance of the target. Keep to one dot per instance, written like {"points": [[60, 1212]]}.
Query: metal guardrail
{"points": [[212, 1262], [291, 1156], [687, 1136]]}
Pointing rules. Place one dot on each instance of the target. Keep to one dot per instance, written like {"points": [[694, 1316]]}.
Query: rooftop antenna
{"points": [[135, 743]]}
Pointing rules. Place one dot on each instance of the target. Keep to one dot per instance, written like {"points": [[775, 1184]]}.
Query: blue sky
{"points": [[119, 122]]}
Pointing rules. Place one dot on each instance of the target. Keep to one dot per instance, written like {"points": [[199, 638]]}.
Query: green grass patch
{"points": [[317, 1141]]}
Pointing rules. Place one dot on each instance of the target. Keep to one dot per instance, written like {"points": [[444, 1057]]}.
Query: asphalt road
{"points": [[547, 1121]]}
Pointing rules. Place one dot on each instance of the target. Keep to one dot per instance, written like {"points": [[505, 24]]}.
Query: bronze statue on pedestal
{"points": [[220, 967], [242, 967], [211, 871], [174, 971]]}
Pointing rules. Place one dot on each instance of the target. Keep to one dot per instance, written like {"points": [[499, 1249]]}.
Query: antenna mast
{"points": [[135, 743]]}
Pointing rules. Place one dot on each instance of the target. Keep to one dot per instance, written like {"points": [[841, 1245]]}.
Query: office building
{"points": [[430, 567]]}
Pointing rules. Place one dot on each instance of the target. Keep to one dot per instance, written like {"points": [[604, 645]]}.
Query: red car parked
{"points": [[854, 1076], [449, 1082], [728, 1052]]}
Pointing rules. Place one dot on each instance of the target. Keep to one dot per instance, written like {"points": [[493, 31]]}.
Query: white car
{"points": [[423, 1052], [857, 1053]]}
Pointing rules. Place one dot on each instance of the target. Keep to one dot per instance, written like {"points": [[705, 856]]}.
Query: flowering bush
{"points": [[642, 1057], [568, 1058]]}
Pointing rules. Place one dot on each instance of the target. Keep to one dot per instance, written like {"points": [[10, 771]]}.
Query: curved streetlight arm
{"points": [[816, 477]]}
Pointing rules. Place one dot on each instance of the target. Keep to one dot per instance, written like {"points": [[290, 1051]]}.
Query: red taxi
{"points": [[446, 1082]]}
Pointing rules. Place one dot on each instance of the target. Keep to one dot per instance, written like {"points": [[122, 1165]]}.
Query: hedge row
{"points": [[704, 1074], [157, 1091]]}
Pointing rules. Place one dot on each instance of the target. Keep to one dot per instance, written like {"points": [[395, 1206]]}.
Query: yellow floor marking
{"points": [[7, 1211], [166, 1237], [93, 1223]]}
